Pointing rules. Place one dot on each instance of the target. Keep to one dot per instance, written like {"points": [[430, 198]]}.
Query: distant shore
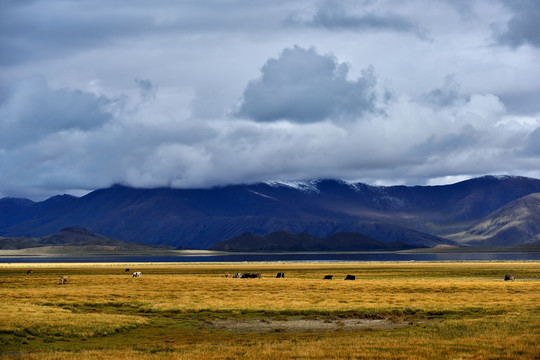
{"points": [[90, 251], [71, 251]]}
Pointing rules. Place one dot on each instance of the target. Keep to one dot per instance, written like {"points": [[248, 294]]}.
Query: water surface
{"points": [[250, 257]]}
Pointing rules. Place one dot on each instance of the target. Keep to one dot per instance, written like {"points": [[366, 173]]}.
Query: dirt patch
{"points": [[306, 325]]}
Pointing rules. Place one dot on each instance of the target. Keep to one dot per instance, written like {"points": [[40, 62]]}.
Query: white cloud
{"points": [[303, 86]]}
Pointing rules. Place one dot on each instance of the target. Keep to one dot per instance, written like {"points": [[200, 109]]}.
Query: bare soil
{"points": [[306, 325]]}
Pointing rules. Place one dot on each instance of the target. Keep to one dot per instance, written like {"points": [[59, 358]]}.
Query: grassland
{"points": [[191, 311]]}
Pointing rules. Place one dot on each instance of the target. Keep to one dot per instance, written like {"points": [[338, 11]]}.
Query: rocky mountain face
{"points": [[200, 218]]}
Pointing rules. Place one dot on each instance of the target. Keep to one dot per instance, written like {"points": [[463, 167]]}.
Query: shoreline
{"points": [[78, 255], [267, 265], [48, 252]]}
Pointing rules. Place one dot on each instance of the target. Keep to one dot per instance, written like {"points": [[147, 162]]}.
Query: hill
{"points": [[71, 237], [284, 241]]}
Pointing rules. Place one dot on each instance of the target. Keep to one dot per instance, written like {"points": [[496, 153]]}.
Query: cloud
{"points": [[56, 29], [447, 95], [523, 27], [448, 143], [144, 146], [146, 88], [532, 144], [53, 29], [303, 86], [332, 15], [196, 94], [55, 141], [33, 110]]}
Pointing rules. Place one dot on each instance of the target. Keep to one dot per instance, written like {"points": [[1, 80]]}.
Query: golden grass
{"points": [[45, 320], [454, 311]]}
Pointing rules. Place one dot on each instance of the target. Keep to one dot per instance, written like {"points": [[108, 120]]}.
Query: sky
{"points": [[195, 94]]}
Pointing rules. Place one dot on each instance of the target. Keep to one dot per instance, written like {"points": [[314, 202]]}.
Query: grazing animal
{"points": [[508, 277], [227, 275], [137, 274], [237, 275], [350, 277], [280, 275], [328, 277], [63, 280], [127, 270], [29, 272], [251, 276]]}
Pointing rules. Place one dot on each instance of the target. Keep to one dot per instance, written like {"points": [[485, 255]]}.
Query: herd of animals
{"points": [[63, 280], [279, 275]]}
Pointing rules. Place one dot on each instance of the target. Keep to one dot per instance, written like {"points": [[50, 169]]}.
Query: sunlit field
{"points": [[192, 311]]}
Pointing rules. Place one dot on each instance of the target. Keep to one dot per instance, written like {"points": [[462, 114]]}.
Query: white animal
{"points": [[137, 274]]}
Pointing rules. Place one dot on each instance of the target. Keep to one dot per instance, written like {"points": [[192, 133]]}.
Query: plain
{"points": [[193, 311]]}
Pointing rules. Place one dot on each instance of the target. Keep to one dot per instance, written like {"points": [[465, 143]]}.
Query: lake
{"points": [[266, 257]]}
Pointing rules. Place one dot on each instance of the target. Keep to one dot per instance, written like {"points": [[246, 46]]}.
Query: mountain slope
{"points": [[517, 222]]}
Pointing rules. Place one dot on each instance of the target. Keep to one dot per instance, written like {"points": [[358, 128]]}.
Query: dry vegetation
{"points": [[186, 311]]}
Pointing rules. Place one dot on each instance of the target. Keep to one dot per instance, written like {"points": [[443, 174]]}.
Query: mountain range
{"points": [[485, 211]]}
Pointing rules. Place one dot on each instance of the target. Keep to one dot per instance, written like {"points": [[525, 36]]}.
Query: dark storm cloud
{"points": [[33, 110], [333, 15], [303, 86], [524, 26]]}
